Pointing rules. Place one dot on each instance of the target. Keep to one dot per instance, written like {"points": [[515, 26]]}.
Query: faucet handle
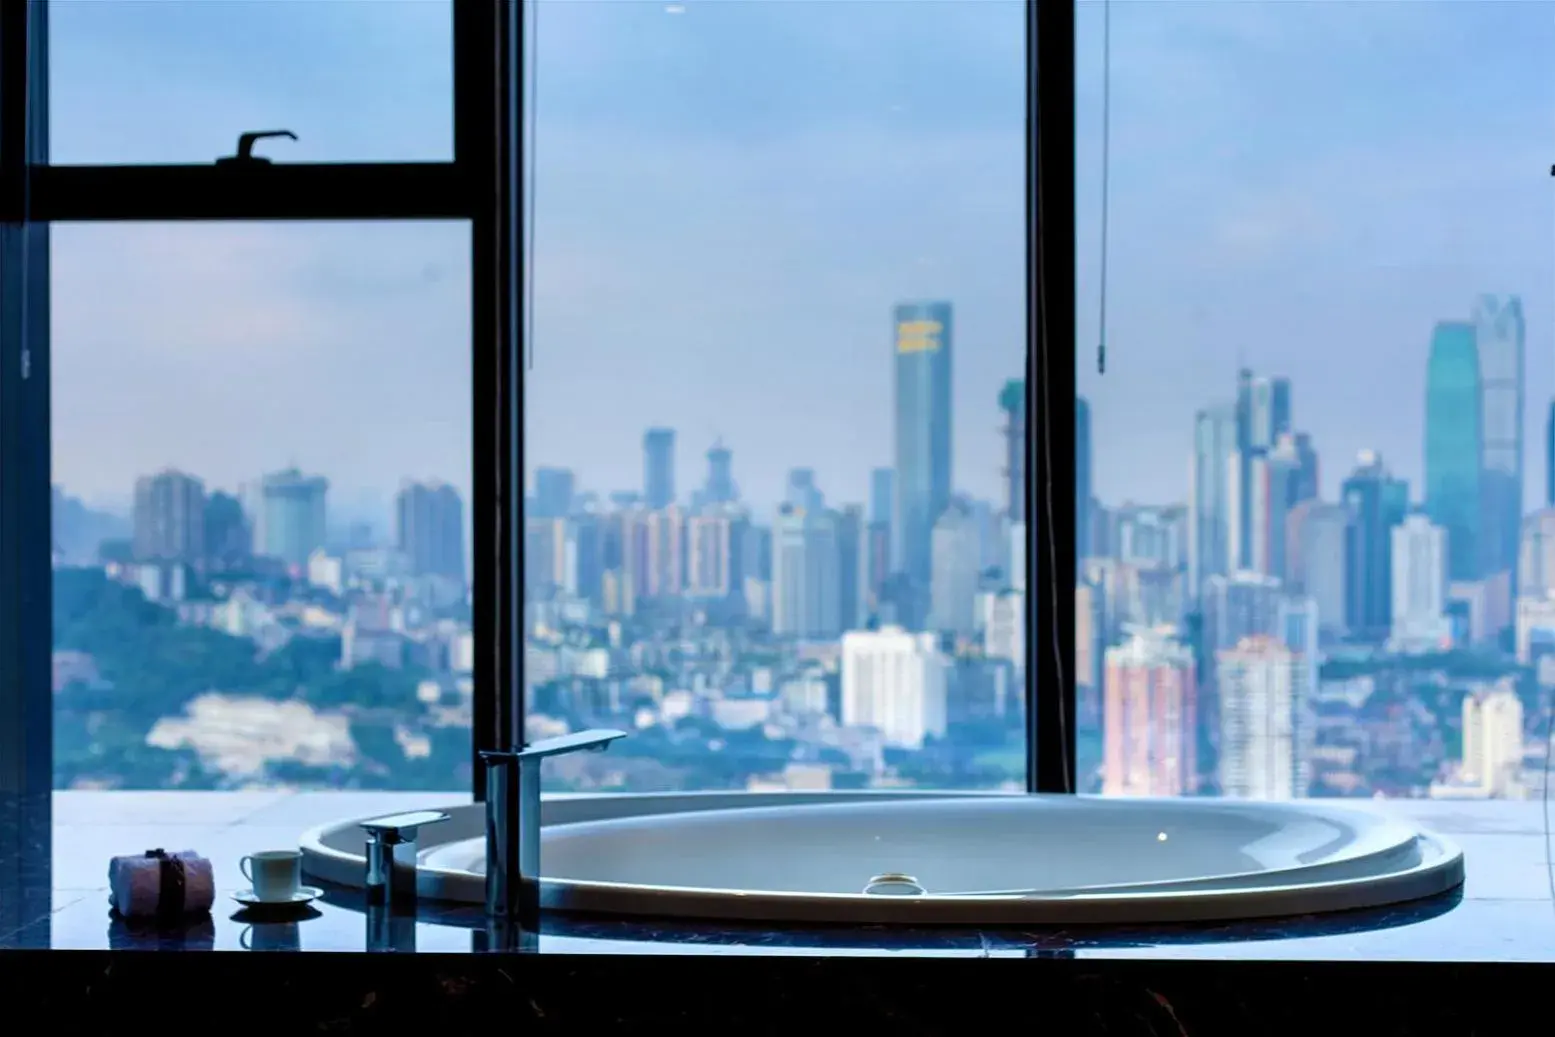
{"points": [[401, 828], [595, 739]]}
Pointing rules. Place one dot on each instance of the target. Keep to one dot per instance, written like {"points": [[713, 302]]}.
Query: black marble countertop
{"points": [[576, 968]]}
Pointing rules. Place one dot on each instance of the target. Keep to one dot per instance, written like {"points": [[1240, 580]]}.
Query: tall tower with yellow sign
{"points": [[921, 346]]}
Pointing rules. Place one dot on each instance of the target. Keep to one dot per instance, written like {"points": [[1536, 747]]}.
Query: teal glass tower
{"points": [[1454, 473]]}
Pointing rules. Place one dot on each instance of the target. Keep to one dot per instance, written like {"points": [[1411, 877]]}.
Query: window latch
{"points": [[245, 155]]}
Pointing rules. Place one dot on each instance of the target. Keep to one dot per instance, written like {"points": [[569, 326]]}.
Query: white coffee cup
{"points": [[276, 874]]}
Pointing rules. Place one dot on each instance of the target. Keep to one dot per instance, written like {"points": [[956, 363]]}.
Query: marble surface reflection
{"points": [[58, 898]]}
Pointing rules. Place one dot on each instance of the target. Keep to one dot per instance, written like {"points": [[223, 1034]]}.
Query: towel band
{"points": [[170, 897]]}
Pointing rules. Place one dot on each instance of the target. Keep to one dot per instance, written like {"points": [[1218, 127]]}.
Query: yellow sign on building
{"points": [[918, 336]]}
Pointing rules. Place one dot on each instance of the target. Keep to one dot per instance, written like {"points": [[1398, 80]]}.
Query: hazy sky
{"points": [[730, 199], [1309, 186]]}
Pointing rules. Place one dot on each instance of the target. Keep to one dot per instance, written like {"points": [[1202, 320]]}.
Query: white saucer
{"points": [[303, 895]]}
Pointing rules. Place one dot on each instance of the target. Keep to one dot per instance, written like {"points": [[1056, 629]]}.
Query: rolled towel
{"points": [[161, 884]]}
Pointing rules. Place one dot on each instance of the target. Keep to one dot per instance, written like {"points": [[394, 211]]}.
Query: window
{"points": [[774, 407], [262, 474], [1315, 478], [178, 80]]}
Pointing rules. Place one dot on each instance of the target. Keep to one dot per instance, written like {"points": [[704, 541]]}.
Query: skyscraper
{"points": [[1149, 718], [882, 494], [169, 518], [1376, 502], [720, 487], [1453, 455], [228, 539], [1499, 331], [1012, 401], [956, 570], [1263, 687], [554, 490], [1083, 490], [1317, 534], [802, 491], [293, 514], [1420, 586], [1263, 413], [1549, 457], [922, 341], [895, 682], [806, 574], [1209, 540], [659, 467], [430, 525]]}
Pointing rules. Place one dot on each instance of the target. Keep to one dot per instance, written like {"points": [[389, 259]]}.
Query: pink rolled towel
{"points": [[160, 883]]}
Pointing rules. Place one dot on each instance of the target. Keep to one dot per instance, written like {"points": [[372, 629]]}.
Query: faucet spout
{"points": [[513, 821]]}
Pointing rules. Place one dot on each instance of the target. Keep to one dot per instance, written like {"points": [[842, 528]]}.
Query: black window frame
{"points": [[476, 186], [482, 184]]}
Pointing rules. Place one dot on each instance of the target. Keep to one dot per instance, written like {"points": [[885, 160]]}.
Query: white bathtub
{"points": [[978, 859]]}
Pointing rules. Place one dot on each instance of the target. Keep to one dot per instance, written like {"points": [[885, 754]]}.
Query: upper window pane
{"points": [[176, 81], [1315, 478], [778, 310]]}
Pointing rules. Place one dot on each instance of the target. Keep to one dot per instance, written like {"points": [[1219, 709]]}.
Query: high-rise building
{"points": [[659, 468], [1149, 718], [1263, 713], [1453, 455], [430, 525], [954, 583], [1549, 457], [882, 494], [1307, 485], [710, 557], [554, 491], [1209, 507], [1003, 621], [1084, 492], [545, 558], [1012, 401], [922, 343], [1420, 622], [1272, 474], [802, 490], [1536, 557], [664, 562], [806, 574], [852, 566], [229, 542], [1499, 332], [720, 488], [896, 682], [294, 515], [1262, 413], [1317, 533], [1376, 502], [169, 521], [1493, 741]]}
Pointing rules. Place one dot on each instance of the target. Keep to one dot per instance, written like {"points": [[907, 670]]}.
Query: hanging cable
{"points": [[533, 189], [1106, 181]]}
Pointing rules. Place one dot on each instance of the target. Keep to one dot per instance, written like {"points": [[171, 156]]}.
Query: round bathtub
{"points": [[920, 859]]}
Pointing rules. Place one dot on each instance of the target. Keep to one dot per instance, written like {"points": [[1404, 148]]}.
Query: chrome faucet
{"points": [[513, 821]]}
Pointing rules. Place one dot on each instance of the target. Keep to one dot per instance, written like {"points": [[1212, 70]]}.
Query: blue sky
{"points": [[1309, 186], [731, 198]]}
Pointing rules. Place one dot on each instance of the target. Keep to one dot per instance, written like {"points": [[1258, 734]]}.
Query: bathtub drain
{"points": [[894, 884]]}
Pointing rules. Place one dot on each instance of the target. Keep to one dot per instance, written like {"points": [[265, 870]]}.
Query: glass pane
{"points": [[776, 319], [1314, 473], [169, 81], [261, 449]]}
